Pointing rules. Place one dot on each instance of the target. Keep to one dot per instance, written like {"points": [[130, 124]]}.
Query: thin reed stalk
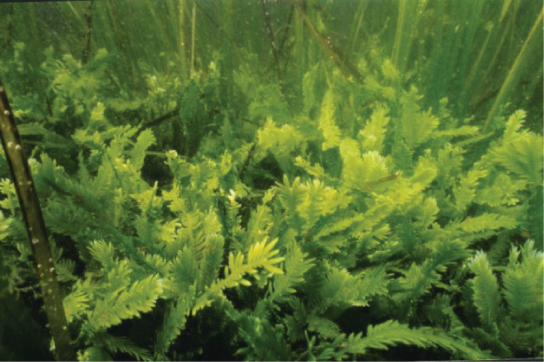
{"points": [[514, 72]]}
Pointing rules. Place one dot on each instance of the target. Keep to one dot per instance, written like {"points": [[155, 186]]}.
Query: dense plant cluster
{"points": [[352, 222]]}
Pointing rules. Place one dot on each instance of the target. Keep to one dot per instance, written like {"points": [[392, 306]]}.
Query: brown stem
{"points": [[35, 227], [347, 68], [269, 25], [88, 33]]}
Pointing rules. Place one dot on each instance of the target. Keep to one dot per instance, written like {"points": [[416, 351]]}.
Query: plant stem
{"points": [[513, 73], [348, 69], [35, 227], [193, 29]]}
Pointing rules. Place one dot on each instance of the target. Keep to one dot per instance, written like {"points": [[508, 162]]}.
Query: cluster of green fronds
{"points": [[334, 218], [410, 205], [510, 312], [135, 244], [390, 214]]}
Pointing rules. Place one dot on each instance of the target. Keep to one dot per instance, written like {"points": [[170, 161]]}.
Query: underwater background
{"points": [[272, 179]]}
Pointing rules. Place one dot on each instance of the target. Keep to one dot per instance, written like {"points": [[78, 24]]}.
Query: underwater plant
{"points": [[294, 180]]}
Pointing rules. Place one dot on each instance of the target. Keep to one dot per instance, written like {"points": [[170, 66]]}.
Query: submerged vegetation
{"points": [[278, 180]]}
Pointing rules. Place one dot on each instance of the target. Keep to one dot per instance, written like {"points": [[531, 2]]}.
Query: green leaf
{"points": [[174, 322], [103, 253], [486, 289], [416, 127], [331, 133], [76, 303], [384, 335], [465, 191], [297, 264], [263, 341], [372, 135], [522, 156], [523, 283], [260, 255], [125, 345], [127, 303], [145, 139]]}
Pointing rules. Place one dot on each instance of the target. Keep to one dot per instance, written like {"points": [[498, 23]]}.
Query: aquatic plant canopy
{"points": [[271, 180]]}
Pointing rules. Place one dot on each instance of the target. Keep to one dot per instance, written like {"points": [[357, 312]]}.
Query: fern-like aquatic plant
{"points": [[319, 211], [521, 290]]}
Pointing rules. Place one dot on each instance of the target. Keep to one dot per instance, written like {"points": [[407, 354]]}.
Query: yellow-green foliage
{"points": [[518, 326], [115, 296], [333, 215], [260, 255]]}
